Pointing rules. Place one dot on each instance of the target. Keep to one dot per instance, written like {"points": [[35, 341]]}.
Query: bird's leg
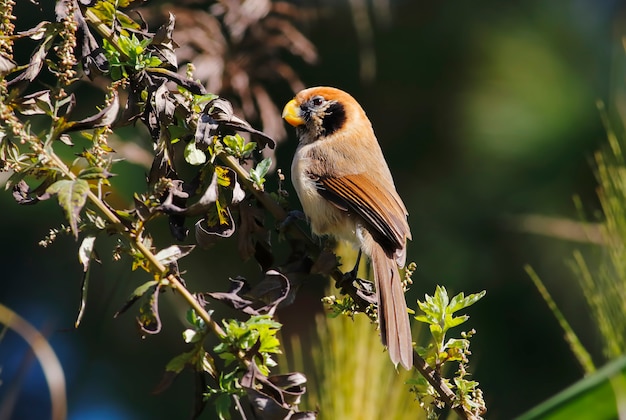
{"points": [[360, 289], [350, 276]]}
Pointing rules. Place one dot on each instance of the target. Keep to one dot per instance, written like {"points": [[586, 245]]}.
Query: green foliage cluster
{"points": [[439, 314]]}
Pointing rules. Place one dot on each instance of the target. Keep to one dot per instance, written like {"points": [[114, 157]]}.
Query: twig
{"points": [[280, 214], [147, 253], [434, 378], [445, 393]]}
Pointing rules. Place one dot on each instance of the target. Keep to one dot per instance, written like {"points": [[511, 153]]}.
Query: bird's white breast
{"points": [[325, 217]]}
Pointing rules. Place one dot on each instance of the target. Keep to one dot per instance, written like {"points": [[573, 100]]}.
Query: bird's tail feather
{"points": [[395, 329]]}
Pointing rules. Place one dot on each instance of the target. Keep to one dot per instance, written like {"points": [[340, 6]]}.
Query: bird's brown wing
{"points": [[384, 216]]}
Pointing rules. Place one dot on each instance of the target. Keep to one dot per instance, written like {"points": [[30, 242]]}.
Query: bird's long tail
{"points": [[395, 330]]}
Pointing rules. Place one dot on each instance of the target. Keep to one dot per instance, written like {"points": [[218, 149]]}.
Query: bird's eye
{"points": [[317, 101]]}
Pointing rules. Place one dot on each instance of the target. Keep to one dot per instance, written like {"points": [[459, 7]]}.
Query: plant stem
{"points": [[104, 31], [147, 253], [446, 394]]}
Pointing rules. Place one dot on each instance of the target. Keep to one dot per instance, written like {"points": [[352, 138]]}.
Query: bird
{"points": [[346, 191]]}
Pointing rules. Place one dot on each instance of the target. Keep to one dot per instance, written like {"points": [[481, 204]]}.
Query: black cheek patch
{"points": [[334, 119]]}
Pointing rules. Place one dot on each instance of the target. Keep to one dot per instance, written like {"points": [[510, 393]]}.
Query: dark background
{"points": [[484, 110]]}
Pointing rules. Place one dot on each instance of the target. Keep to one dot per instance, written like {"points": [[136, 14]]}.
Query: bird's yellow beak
{"points": [[291, 113]]}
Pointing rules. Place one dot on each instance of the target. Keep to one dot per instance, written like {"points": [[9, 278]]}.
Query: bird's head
{"points": [[320, 112]]}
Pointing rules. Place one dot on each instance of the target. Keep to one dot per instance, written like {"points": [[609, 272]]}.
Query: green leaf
{"points": [[85, 252], [173, 253], [425, 319], [193, 155], [178, 363], [72, 195], [257, 175], [441, 299], [137, 293], [222, 406], [94, 172], [193, 318], [593, 397], [207, 364], [461, 302], [191, 336], [249, 148], [452, 322], [85, 255], [233, 144]]}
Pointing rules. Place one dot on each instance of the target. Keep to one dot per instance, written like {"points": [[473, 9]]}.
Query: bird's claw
{"points": [[352, 285]]}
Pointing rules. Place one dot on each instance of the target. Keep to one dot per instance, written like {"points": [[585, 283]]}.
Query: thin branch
{"points": [[147, 253], [446, 394]]}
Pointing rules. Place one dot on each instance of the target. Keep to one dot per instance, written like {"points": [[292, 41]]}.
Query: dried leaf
{"points": [[235, 295], [164, 44], [206, 130], [37, 32], [208, 235], [251, 229], [85, 252], [200, 400], [150, 115], [177, 226], [21, 82], [162, 165], [149, 320], [304, 415], [72, 195], [292, 385], [166, 381], [269, 399], [143, 211], [272, 290], [66, 139], [263, 253], [264, 298], [221, 111], [164, 104], [35, 103], [191, 85], [266, 407], [105, 117], [22, 193]]}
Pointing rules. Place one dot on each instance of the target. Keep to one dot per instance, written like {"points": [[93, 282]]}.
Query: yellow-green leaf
{"points": [[72, 195]]}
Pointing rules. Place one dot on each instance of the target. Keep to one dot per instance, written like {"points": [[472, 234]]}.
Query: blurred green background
{"points": [[485, 110]]}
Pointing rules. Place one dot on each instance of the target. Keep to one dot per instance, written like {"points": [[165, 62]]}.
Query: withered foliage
{"points": [[235, 48], [238, 48], [208, 170]]}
